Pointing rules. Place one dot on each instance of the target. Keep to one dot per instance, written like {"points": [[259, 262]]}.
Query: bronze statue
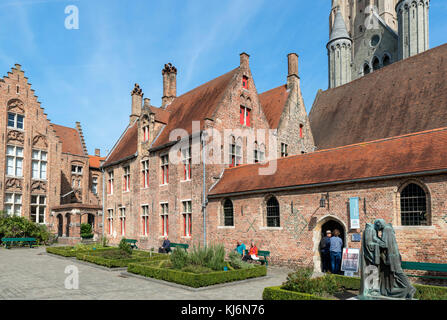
{"points": [[381, 270]]}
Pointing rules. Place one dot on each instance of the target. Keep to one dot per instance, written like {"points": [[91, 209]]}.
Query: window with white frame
{"points": [[14, 161], [95, 185], [284, 152], [232, 151], [186, 160], [110, 220], [15, 121], [38, 208], [145, 173], [13, 204], [164, 219], [123, 221], [126, 179], [262, 153], [39, 164], [238, 152], [77, 170], [187, 218], [145, 220], [110, 183], [256, 153], [165, 169]]}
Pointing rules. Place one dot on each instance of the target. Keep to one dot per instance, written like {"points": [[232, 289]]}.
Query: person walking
{"points": [[336, 247], [325, 244]]}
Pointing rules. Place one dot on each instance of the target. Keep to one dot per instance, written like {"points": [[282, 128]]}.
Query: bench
{"points": [[9, 241], [424, 266], [179, 245], [132, 242], [263, 254]]}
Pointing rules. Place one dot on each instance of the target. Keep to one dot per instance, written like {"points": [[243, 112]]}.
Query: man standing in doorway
{"points": [[336, 247], [325, 245]]}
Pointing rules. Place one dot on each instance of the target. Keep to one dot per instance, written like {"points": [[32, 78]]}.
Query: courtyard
{"points": [[32, 274]]}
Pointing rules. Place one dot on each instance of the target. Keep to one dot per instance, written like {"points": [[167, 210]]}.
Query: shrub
{"points": [[237, 263], [179, 259], [301, 281], [278, 293], [86, 231], [21, 227], [124, 246], [212, 257]]}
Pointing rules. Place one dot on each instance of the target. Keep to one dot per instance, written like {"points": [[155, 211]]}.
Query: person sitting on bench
{"points": [[166, 246], [252, 253], [240, 248]]}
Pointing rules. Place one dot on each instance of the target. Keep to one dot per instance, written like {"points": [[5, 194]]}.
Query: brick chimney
{"points": [[98, 152], [169, 84], [137, 102], [245, 61], [292, 76]]}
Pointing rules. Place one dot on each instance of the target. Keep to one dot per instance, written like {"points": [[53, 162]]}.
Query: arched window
{"points": [[228, 213], [376, 64], [413, 206], [255, 152], [366, 69], [273, 216], [386, 60]]}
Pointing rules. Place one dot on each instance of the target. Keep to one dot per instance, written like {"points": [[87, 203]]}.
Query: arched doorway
{"points": [[67, 226], [91, 220], [60, 225], [326, 223]]}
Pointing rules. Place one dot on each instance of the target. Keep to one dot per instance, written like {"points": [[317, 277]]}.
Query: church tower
{"points": [[339, 50], [413, 27]]}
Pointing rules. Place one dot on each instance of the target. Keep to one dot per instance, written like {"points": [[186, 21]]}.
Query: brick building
{"points": [[149, 195], [45, 171]]}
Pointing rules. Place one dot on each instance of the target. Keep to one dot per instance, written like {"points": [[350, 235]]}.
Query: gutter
{"points": [[119, 161], [324, 184]]}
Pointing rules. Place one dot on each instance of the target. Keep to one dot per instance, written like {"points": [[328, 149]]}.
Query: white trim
{"points": [[414, 227], [226, 227], [271, 228]]}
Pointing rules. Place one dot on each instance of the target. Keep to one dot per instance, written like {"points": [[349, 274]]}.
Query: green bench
{"points": [[9, 241], [179, 245], [424, 266], [263, 254], [132, 242]]}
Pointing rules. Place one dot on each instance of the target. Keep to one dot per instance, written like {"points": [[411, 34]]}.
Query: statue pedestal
{"points": [[375, 298]]}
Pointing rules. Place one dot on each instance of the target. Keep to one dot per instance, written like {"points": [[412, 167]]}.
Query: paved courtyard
{"points": [[32, 274]]}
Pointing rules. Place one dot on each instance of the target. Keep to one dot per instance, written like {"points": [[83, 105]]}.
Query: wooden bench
{"points": [[424, 266], [132, 242], [9, 241], [179, 245], [263, 254]]}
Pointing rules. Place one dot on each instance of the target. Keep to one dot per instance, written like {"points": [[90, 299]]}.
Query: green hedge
{"points": [[137, 256], [72, 251], [276, 293], [349, 283], [152, 270]]}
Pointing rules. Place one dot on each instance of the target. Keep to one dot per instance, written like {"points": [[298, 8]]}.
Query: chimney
{"points": [[169, 84], [147, 103], [98, 152], [292, 76], [137, 101], [245, 61]]}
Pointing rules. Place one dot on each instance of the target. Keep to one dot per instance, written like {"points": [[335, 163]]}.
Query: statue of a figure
{"points": [[370, 261], [393, 281], [380, 265]]}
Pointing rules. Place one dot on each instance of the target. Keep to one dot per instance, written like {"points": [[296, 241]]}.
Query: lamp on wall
{"points": [[324, 198]]}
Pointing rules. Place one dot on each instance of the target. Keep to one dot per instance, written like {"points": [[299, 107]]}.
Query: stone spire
{"points": [[339, 30]]}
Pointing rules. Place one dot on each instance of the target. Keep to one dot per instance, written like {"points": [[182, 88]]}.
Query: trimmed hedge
{"points": [[137, 256], [277, 293], [72, 251], [153, 270], [423, 292]]}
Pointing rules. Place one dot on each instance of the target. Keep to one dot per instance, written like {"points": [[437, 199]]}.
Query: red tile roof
{"points": [[161, 115], [273, 102], [71, 140], [404, 97], [413, 153], [95, 161], [195, 105], [126, 146]]}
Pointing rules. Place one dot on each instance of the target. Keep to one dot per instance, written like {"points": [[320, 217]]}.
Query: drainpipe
{"points": [[103, 199], [204, 200]]}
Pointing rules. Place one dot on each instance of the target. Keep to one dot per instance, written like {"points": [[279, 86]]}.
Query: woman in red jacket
{"points": [[252, 253]]}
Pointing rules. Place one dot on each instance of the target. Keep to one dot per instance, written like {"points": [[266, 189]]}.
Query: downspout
{"points": [[103, 199], [204, 200]]}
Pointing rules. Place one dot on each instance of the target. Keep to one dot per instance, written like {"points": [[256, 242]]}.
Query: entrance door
{"points": [[91, 221], [332, 225], [60, 225]]}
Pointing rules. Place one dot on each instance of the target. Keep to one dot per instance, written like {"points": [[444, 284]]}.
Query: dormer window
{"points": [[245, 82]]}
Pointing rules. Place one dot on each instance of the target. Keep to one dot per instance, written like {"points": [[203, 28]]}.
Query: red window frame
{"points": [[164, 169], [245, 82], [301, 131], [244, 116]]}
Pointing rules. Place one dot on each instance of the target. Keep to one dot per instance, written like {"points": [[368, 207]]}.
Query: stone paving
{"points": [[32, 274]]}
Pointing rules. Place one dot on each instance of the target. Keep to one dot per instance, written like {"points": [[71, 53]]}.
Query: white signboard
{"points": [[350, 260]]}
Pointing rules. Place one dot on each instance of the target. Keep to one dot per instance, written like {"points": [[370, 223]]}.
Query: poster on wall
{"points": [[354, 213], [350, 260]]}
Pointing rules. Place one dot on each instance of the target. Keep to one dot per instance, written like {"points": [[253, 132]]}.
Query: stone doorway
{"points": [[67, 226], [326, 223], [60, 225]]}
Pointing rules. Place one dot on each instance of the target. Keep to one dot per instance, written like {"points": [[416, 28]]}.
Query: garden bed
{"points": [[70, 251], [347, 284], [117, 258]]}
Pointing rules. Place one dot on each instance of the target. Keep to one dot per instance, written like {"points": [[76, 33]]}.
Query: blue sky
{"points": [[87, 74]]}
